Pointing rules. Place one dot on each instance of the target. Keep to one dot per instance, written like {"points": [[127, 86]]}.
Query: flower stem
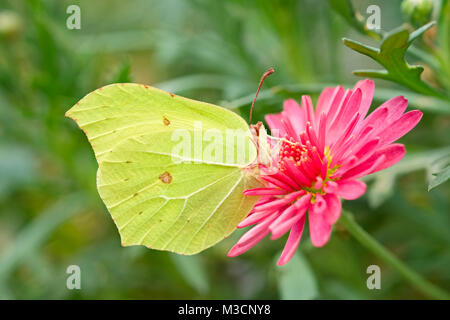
{"points": [[373, 245]]}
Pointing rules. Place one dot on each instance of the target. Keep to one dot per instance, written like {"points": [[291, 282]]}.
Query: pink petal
{"points": [[264, 191], [364, 134], [293, 110], [334, 208], [296, 173], [319, 228], [353, 105], [322, 131], [331, 187], [278, 230], [252, 237], [284, 216], [292, 243], [376, 119], [324, 169], [350, 189], [346, 113], [325, 99], [401, 126], [272, 205], [367, 149], [334, 115], [334, 102], [367, 88], [319, 183], [378, 162], [240, 249], [275, 125], [393, 153], [286, 179], [312, 135], [279, 203], [295, 115], [287, 124], [381, 159], [263, 200], [361, 146], [290, 216], [309, 110], [277, 182], [395, 106], [296, 208], [347, 165], [344, 135], [254, 218], [320, 205]]}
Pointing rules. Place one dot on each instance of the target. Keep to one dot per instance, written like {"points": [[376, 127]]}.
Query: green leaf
{"points": [[362, 48], [296, 280], [157, 197], [440, 177], [193, 271], [391, 55], [418, 32], [381, 74], [440, 171]]}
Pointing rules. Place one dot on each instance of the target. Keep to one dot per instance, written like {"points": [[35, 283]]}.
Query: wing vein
{"points": [[214, 211]]}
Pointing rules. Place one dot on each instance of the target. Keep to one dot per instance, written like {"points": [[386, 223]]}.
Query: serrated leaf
{"points": [[381, 74], [440, 177], [418, 32], [395, 39], [440, 171], [362, 48], [391, 55]]}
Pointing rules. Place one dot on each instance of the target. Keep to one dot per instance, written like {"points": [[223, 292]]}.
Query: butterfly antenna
{"points": [[264, 76]]}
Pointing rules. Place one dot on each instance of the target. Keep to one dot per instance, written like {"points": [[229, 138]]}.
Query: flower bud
{"points": [[10, 24], [417, 12]]}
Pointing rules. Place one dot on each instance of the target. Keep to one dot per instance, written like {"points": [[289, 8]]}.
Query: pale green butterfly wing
{"points": [[161, 191]]}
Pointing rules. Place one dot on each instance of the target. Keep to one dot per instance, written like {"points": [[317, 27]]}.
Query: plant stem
{"points": [[373, 245]]}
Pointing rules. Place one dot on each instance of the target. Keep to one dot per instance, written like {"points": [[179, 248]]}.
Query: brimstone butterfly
{"points": [[179, 201]]}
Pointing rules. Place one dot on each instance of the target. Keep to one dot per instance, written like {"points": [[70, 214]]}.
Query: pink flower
{"points": [[322, 155]]}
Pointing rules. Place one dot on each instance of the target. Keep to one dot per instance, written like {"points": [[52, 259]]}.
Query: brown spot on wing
{"points": [[166, 121], [166, 177]]}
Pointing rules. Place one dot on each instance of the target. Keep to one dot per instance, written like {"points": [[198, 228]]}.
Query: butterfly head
{"points": [[267, 148]]}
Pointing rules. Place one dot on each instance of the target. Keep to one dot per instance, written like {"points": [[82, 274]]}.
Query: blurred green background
{"points": [[51, 215]]}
